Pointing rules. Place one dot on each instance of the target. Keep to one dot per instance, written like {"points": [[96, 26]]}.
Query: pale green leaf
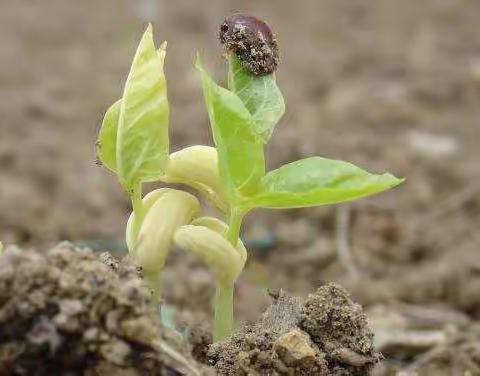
{"points": [[319, 181], [142, 137], [240, 150], [260, 95], [107, 137]]}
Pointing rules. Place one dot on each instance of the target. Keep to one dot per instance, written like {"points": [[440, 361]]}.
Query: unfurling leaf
{"points": [[133, 140], [260, 96], [240, 150], [318, 181]]}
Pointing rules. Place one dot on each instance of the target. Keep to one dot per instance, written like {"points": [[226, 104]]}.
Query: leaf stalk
{"points": [[234, 225]]}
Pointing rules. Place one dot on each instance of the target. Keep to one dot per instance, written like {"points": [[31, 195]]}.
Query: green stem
{"points": [[138, 211], [223, 322], [234, 224], [153, 280]]}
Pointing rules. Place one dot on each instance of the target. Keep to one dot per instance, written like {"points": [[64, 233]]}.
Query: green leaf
{"points": [[142, 136], [240, 151], [319, 181], [260, 95], [107, 137]]}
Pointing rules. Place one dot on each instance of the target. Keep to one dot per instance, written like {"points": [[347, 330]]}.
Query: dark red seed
{"points": [[252, 40]]}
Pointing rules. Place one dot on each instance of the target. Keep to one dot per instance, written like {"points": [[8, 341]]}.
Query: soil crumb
{"points": [[67, 312], [328, 334]]}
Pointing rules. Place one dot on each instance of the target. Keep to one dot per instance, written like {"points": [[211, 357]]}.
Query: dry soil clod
{"points": [[67, 312], [326, 335]]}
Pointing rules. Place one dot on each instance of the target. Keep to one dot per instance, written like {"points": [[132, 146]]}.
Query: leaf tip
{"points": [[393, 181], [149, 29], [198, 64], [399, 180]]}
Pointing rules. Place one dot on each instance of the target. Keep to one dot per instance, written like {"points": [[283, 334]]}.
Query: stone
{"points": [[294, 348]]}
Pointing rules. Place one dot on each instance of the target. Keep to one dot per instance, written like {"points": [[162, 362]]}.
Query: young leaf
{"points": [[260, 95], [240, 151], [142, 136], [107, 137], [319, 181]]}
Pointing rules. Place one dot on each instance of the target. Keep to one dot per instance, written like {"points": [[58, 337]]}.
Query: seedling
{"points": [[133, 143]]}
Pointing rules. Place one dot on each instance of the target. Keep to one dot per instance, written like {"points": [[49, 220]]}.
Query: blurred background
{"points": [[389, 85]]}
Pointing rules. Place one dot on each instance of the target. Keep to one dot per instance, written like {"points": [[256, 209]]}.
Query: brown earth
{"points": [[71, 311], [388, 85], [67, 312], [327, 334]]}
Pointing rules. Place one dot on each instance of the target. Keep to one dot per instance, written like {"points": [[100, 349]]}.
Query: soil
{"points": [[327, 334], [67, 312], [71, 311], [387, 85]]}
